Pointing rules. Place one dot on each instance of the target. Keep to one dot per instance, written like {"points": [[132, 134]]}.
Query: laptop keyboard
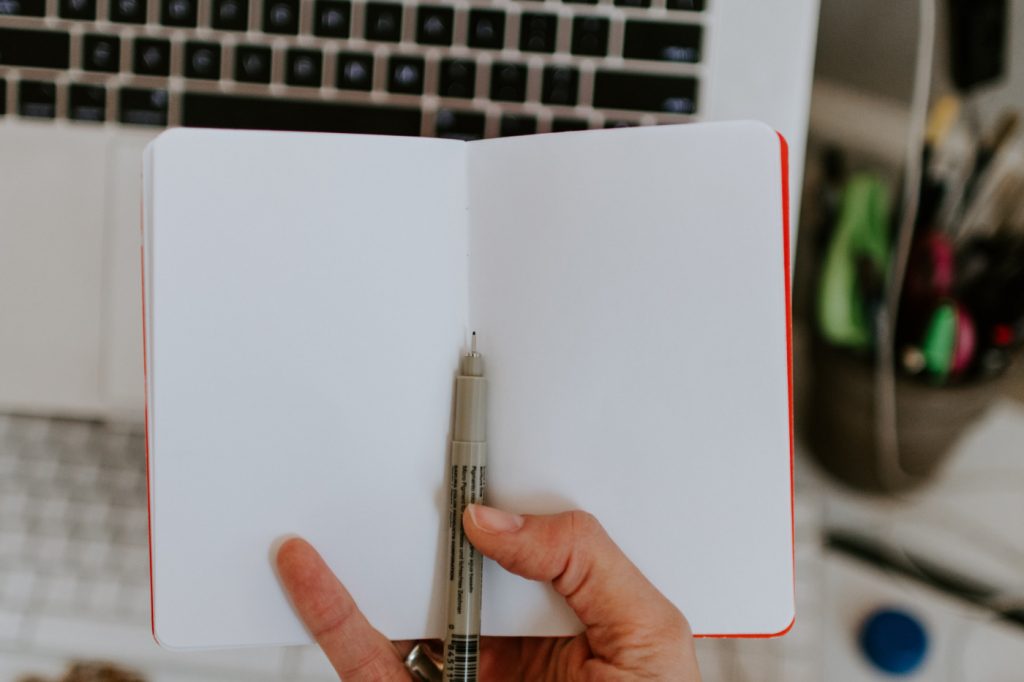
{"points": [[447, 69], [73, 523]]}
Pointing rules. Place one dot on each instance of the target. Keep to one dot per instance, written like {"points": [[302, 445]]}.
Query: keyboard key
{"points": [[406, 75], [508, 82], [486, 29], [14, 543], [691, 5], [434, 25], [202, 60], [101, 53], [230, 15], [37, 100], [40, 470], [281, 16], [620, 124], [104, 594], [24, 8], [537, 32], [561, 125], [252, 64], [57, 592], [662, 42], [458, 77], [582, 2], [331, 18], [128, 11], [152, 57], [517, 124], [78, 9], [633, 3], [223, 111], [460, 125], [144, 107], [590, 36], [18, 584], [178, 12], [645, 92], [383, 22], [87, 103], [560, 85], [45, 49], [355, 71], [304, 67], [48, 550]]}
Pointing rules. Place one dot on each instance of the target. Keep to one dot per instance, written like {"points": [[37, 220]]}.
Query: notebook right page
{"points": [[629, 289]]}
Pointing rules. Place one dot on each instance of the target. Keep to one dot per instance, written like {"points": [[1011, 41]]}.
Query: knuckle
{"points": [[588, 541], [676, 624], [332, 618], [578, 557], [584, 525]]}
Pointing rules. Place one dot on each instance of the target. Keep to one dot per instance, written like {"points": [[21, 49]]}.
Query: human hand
{"points": [[631, 630]]}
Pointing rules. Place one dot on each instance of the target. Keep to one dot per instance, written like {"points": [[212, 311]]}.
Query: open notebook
{"points": [[307, 298]]}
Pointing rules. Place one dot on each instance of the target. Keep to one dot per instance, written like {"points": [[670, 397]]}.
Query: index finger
{"points": [[357, 651]]}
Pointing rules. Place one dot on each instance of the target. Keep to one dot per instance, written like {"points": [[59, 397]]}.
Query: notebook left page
{"points": [[306, 302]]}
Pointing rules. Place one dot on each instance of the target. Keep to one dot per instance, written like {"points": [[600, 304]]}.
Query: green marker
{"points": [[939, 342]]}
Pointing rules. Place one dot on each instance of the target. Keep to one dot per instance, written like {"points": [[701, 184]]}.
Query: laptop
{"points": [[86, 84]]}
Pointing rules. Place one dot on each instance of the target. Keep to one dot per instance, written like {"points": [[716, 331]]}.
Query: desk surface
{"points": [[967, 520]]}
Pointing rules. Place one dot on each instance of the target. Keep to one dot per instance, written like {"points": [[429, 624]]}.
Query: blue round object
{"points": [[894, 640]]}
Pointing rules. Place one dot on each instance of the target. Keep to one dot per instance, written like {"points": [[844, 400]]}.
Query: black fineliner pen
{"points": [[465, 565]]}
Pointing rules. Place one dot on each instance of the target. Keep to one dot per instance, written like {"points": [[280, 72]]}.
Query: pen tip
{"points": [[472, 348]]}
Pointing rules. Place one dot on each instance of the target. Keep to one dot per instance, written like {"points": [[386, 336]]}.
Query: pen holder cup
{"points": [[841, 421]]}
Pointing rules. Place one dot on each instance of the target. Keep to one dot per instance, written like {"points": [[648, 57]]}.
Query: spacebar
{"points": [[260, 113]]}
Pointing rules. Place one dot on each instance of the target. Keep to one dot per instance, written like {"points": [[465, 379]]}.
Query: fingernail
{"points": [[494, 520]]}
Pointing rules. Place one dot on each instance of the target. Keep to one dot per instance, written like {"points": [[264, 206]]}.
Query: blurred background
{"points": [[907, 147]]}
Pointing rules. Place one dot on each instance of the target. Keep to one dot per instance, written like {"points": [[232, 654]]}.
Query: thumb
{"points": [[573, 552]]}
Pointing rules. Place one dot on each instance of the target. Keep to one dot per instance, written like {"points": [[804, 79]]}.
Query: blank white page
{"points": [[306, 303], [629, 291]]}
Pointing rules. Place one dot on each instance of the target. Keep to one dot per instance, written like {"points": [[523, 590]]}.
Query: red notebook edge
{"points": [[784, 157], [145, 413]]}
